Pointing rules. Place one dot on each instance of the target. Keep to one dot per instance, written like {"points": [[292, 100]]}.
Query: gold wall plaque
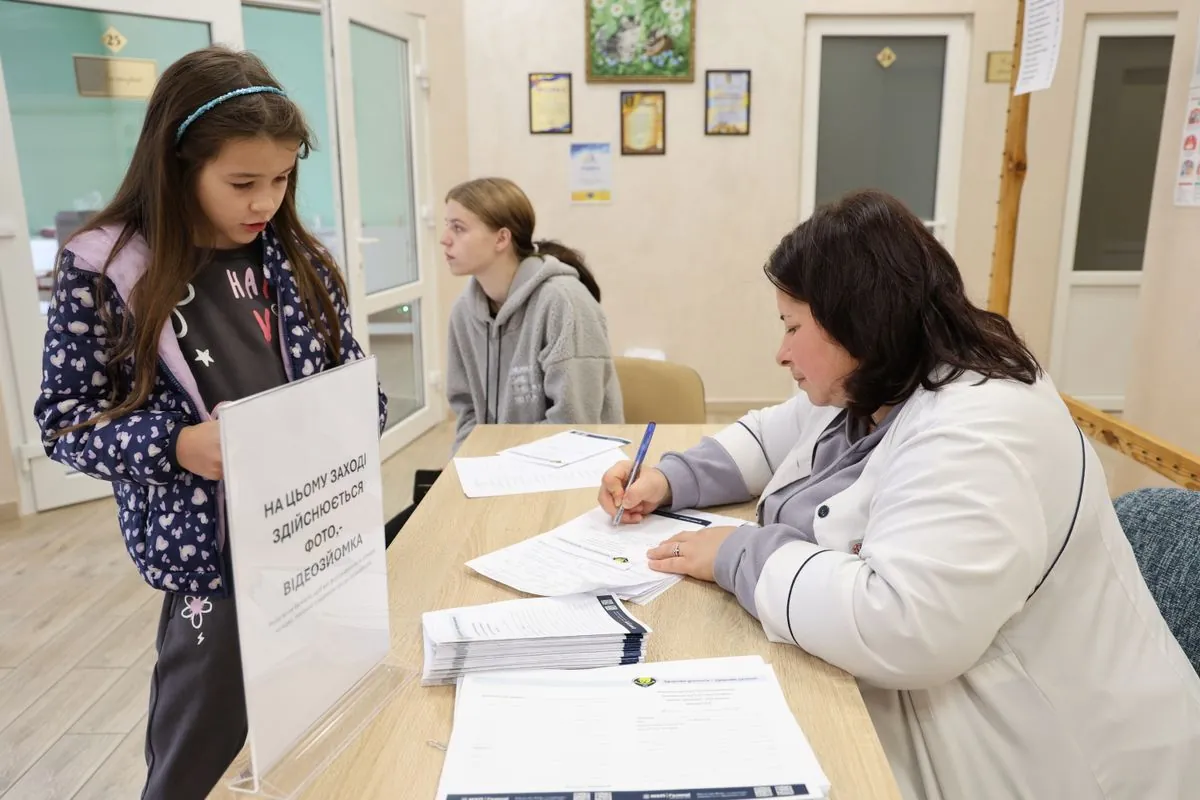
{"points": [[128, 78], [113, 39], [999, 66], [886, 57]]}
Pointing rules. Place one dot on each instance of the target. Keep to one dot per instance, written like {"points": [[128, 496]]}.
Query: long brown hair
{"points": [[885, 289], [157, 201], [500, 203]]}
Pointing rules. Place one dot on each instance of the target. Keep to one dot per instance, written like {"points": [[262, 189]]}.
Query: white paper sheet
{"points": [[496, 476], [722, 725], [1041, 41], [589, 554], [566, 448]]}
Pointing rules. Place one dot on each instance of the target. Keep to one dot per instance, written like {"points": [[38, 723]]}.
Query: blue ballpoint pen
{"points": [[637, 465]]}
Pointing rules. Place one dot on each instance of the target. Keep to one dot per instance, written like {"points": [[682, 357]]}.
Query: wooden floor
{"points": [[77, 628]]}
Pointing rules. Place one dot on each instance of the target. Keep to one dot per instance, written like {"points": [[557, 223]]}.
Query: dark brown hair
{"points": [[157, 200], [885, 289], [500, 203]]}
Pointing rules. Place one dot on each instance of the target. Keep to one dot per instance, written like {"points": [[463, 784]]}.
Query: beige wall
{"points": [[689, 231], [1165, 382]]}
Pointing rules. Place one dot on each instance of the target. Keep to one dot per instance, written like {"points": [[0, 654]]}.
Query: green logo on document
{"points": [[621, 559], [644, 681]]}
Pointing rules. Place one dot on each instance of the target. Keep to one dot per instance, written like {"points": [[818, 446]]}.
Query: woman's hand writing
{"points": [[648, 492]]}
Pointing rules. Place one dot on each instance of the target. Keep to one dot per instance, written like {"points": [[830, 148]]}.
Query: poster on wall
{"points": [[1187, 186], [591, 172], [1187, 181]]}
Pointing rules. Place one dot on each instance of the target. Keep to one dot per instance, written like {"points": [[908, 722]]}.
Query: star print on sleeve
{"points": [[204, 358]]}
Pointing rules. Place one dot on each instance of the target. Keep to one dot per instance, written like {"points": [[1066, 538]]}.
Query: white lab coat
{"points": [[977, 692]]}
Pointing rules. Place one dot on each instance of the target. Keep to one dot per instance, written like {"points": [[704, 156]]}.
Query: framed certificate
{"points": [[643, 123], [550, 102], [727, 102]]}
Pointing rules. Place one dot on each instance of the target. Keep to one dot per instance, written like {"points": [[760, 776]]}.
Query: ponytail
{"points": [[572, 258]]}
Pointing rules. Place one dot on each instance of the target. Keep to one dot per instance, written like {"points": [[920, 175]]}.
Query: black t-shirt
{"points": [[228, 328]]}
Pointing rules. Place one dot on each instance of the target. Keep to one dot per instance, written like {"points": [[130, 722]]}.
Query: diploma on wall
{"points": [[643, 123], [550, 102]]}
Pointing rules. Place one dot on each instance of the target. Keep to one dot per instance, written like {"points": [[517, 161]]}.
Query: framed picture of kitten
{"points": [[640, 41]]}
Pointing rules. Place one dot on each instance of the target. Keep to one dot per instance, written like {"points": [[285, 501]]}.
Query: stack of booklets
{"points": [[709, 728], [571, 632]]}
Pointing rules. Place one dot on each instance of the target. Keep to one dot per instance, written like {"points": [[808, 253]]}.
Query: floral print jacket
{"points": [[173, 521]]}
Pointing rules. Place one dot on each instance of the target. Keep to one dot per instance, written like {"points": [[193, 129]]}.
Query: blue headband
{"points": [[199, 112]]}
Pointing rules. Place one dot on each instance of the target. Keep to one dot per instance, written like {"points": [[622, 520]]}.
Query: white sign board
{"points": [[305, 507]]}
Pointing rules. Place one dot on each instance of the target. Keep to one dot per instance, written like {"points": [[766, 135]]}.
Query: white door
{"points": [[380, 94], [1118, 122], [884, 103], [65, 142]]}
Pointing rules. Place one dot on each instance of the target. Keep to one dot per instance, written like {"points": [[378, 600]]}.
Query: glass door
{"points": [[1114, 152], [75, 77], [884, 104], [380, 95]]}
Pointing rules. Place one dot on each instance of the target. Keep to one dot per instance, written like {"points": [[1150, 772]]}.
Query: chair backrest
{"points": [[661, 392], [1163, 526]]}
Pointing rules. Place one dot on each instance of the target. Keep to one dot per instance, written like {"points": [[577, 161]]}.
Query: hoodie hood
{"points": [[531, 274]]}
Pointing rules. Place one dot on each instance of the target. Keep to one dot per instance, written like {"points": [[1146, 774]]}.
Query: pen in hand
{"points": [[633, 472]]}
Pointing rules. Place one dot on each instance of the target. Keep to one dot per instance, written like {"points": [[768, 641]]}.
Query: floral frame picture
{"points": [[640, 41]]}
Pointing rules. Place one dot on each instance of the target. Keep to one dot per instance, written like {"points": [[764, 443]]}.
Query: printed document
{"points": [[704, 728], [589, 554]]}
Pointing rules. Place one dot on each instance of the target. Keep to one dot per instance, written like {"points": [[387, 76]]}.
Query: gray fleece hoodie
{"points": [[545, 357]]}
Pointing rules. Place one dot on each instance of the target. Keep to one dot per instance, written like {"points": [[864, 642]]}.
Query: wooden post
{"points": [[1012, 179]]}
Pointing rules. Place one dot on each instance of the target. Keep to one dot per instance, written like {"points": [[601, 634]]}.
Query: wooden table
{"points": [[393, 759]]}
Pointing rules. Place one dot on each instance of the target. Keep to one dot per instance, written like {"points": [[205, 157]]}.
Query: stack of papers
{"points": [[589, 555], [689, 729], [568, 460], [574, 632]]}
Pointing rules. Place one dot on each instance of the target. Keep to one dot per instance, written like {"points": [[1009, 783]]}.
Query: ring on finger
{"points": [[675, 552]]}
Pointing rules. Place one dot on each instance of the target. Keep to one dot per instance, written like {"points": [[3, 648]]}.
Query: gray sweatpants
{"points": [[197, 721]]}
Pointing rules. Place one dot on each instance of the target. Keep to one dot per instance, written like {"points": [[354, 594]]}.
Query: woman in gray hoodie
{"points": [[528, 339]]}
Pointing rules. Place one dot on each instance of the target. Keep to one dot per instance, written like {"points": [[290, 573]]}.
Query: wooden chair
{"points": [[661, 392]]}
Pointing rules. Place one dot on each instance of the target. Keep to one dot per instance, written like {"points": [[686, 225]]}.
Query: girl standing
{"points": [[197, 285]]}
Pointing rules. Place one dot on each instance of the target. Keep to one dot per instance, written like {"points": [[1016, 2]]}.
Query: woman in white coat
{"points": [[932, 521]]}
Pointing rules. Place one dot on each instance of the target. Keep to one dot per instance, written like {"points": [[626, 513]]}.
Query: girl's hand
{"points": [[647, 493], [198, 450]]}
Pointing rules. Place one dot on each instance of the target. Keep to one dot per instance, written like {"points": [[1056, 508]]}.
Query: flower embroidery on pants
{"points": [[195, 608]]}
